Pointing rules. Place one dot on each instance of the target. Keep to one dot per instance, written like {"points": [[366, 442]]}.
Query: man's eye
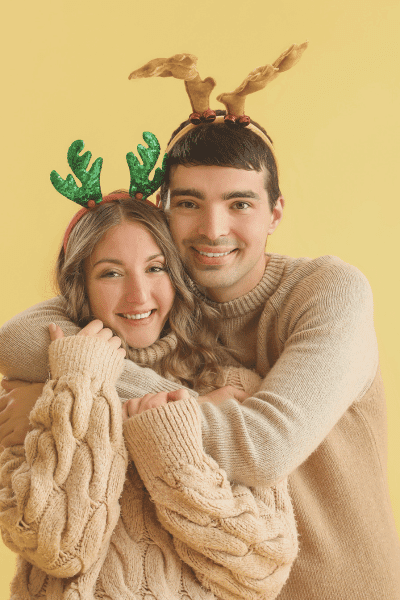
{"points": [[186, 204], [241, 205]]}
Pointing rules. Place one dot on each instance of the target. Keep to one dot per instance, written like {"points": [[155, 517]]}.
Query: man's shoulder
{"points": [[326, 276]]}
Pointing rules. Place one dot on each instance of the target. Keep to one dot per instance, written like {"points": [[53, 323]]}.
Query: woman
{"points": [[179, 530]]}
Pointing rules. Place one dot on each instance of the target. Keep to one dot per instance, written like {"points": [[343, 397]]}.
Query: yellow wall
{"points": [[334, 119]]}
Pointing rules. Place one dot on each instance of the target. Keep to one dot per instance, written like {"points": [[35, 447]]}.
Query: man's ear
{"points": [[277, 214]]}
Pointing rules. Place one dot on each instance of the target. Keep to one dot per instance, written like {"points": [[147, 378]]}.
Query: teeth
{"points": [[212, 254], [141, 316]]}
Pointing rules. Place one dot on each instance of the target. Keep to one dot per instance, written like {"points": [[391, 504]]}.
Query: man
{"points": [[306, 326]]}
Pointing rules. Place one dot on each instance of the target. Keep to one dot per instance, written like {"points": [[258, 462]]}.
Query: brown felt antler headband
{"points": [[183, 66]]}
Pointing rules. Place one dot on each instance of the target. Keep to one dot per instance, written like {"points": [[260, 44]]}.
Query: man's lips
{"points": [[213, 256]]}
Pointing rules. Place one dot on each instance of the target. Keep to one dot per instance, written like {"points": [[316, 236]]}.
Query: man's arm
{"points": [[328, 359], [24, 343]]}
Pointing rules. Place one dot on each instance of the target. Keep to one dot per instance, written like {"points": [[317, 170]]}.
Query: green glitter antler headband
{"points": [[140, 183], [89, 194]]}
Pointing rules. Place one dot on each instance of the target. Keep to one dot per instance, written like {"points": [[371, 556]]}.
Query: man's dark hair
{"points": [[223, 145]]}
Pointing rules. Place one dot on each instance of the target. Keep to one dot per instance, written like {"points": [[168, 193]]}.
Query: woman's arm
{"points": [[59, 495], [240, 542]]}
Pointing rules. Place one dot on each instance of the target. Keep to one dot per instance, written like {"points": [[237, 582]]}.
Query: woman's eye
{"points": [[157, 269], [109, 274]]}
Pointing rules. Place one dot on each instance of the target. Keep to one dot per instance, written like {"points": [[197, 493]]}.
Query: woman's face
{"points": [[127, 283]]}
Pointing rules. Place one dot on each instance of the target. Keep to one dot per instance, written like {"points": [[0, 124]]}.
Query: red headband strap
{"points": [[110, 198]]}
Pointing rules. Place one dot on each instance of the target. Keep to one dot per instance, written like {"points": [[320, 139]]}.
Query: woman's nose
{"points": [[136, 291]]}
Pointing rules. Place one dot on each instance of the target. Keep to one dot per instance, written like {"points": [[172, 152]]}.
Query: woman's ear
{"points": [[158, 201]]}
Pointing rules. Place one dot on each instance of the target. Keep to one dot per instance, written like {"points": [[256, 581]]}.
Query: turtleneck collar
{"points": [[152, 354]]}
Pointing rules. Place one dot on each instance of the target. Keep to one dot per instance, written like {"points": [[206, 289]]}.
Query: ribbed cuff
{"points": [[81, 354], [161, 440]]}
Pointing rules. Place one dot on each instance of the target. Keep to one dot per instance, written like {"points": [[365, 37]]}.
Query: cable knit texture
{"points": [[319, 417], [179, 530]]}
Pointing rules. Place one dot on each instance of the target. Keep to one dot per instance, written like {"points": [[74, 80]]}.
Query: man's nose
{"points": [[137, 290], [214, 223]]}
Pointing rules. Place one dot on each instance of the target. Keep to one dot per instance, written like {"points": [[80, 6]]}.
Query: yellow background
{"points": [[334, 119]]}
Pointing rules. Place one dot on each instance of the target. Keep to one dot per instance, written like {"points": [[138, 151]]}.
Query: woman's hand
{"points": [[219, 396], [135, 406], [93, 329], [15, 408]]}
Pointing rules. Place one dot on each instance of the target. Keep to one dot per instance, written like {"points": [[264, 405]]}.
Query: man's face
{"points": [[220, 220]]}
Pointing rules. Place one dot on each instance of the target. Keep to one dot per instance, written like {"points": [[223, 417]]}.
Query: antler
{"points": [[181, 66], [140, 183], [90, 190], [259, 78]]}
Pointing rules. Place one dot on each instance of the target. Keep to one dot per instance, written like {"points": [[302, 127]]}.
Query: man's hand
{"points": [[219, 396], [135, 406], [15, 408]]}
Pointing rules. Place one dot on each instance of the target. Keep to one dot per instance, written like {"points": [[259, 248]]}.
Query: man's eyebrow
{"points": [[115, 261], [187, 192], [193, 193], [241, 194]]}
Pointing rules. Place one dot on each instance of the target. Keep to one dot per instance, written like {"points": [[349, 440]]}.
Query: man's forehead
{"points": [[199, 178]]}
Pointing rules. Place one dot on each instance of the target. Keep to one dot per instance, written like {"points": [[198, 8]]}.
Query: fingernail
{"points": [[52, 327]]}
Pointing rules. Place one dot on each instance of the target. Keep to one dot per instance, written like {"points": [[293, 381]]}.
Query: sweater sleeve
{"points": [[59, 494], [240, 542], [26, 335], [317, 339]]}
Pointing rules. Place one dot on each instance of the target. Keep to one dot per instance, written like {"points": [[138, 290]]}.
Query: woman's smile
{"points": [[128, 284]]}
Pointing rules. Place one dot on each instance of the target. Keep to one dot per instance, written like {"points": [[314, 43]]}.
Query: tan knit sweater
{"points": [[307, 328], [178, 531]]}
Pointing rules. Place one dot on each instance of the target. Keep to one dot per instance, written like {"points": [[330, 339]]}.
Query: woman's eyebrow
{"points": [[149, 258], [116, 261]]}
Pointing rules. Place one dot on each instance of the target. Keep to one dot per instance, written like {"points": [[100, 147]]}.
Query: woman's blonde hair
{"points": [[195, 359]]}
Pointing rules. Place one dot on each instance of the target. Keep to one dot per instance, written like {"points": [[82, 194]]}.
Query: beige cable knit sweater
{"points": [[178, 531], [319, 417]]}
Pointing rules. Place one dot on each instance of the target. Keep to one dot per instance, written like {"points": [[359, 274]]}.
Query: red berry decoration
{"points": [[209, 115], [195, 118], [138, 196], [91, 204], [244, 120], [230, 119]]}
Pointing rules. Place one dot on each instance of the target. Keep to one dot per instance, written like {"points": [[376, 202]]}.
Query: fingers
{"points": [[15, 438], [96, 329], [12, 385], [135, 406], [181, 394], [239, 395], [131, 408], [92, 328], [56, 333]]}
